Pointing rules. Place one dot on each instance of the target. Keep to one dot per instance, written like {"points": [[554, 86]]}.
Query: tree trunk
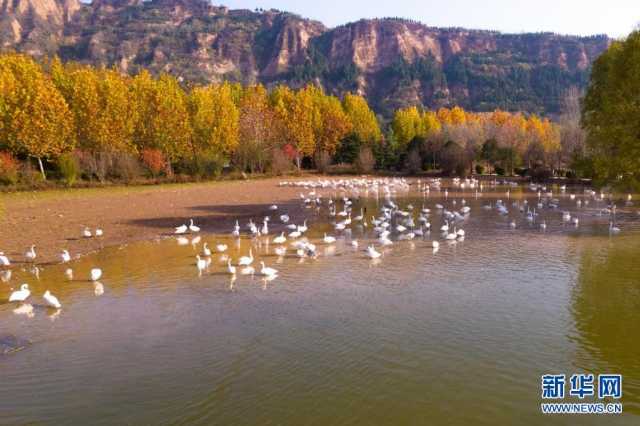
{"points": [[44, 176]]}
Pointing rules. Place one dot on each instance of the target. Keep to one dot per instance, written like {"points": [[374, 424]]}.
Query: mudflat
{"points": [[54, 220]]}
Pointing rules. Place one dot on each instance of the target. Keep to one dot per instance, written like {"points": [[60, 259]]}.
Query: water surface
{"points": [[460, 336]]}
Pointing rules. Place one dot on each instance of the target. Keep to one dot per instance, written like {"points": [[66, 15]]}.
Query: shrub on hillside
{"points": [[8, 169]]}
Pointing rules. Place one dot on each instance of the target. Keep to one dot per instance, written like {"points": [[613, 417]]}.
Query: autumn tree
{"points": [[36, 121], [363, 121]]}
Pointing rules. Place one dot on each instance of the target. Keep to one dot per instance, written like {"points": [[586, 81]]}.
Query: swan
{"points": [[445, 227], [247, 270], [512, 224], [575, 221], [181, 229], [98, 288], [295, 234], [280, 239], [246, 260], [51, 300], [401, 228], [86, 232], [265, 227], [98, 232], [230, 268], [360, 216], [354, 243], [205, 250], [284, 218], [4, 260], [613, 229], [31, 254], [303, 228], [265, 270], [236, 230], [20, 295], [328, 239], [543, 225], [96, 273], [221, 248], [65, 256], [200, 263], [435, 244], [460, 232], [273, 207], [192, 227], [372, 253]]}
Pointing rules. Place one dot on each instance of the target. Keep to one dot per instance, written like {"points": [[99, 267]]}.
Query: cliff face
{"points": [[393, 62]]}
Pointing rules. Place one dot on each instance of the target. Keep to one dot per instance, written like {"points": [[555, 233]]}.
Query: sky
{"points": [[615, 18]]}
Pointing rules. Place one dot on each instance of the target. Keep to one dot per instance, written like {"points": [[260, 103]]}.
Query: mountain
{"points": [[393, 62]]}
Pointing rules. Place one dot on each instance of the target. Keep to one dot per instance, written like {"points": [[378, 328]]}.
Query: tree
{"points": [[256, 133], [363, 121], [214, 119], [163, 116], [572, 135], [610, 114], [334, 124], [36, 121]]}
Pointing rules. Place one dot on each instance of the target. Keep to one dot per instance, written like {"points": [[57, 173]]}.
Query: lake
{"points": [[456, 336]]}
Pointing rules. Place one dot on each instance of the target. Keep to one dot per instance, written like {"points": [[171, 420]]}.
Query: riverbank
{"points": [[54, 220]]}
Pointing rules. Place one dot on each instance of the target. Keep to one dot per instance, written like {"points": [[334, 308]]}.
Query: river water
{"points": [[458, 336]]}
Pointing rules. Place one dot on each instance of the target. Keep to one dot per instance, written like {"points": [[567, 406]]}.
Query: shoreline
{"points": [[54, 220]]}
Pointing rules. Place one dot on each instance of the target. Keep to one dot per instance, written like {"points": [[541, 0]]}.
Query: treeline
{"points": [[611, 116], [74, 121], [461, 142]]}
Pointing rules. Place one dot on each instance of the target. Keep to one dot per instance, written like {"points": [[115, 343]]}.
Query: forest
{"points": [[73, 123]]}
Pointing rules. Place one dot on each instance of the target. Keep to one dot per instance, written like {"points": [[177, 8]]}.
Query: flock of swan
{"points": [[391, 225]]}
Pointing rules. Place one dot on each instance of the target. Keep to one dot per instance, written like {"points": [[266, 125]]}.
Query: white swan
{"points": [[445, 227], [372, 253], [30, 255], [20, 295], [205, 250], [192, 227], [328, 239], [265, 270], [86, 232], [96, 273], [435, 244], [221, 248], [460, 232], [273, 207], [65, 256], [51, 300], [284, 218], [230, 268], [236, 230], [181, 229], [613, 229], [246, 260], [200, 263], [4, 260], [543, 225], [303, 228], [281, 239], [295, 234], [247, 270], [98, 232]]}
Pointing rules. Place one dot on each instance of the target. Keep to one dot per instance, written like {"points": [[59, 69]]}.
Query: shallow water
{"points": [[460, 336]]}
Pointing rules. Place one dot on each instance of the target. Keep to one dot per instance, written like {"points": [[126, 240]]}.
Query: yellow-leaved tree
{"points": [[35, 117], [363, 121]]}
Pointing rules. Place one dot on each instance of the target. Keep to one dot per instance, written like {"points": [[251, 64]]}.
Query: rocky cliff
{"points": [[393, 62]]}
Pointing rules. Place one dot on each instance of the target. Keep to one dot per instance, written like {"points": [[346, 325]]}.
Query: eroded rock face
{"points": [[391, 61]]}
